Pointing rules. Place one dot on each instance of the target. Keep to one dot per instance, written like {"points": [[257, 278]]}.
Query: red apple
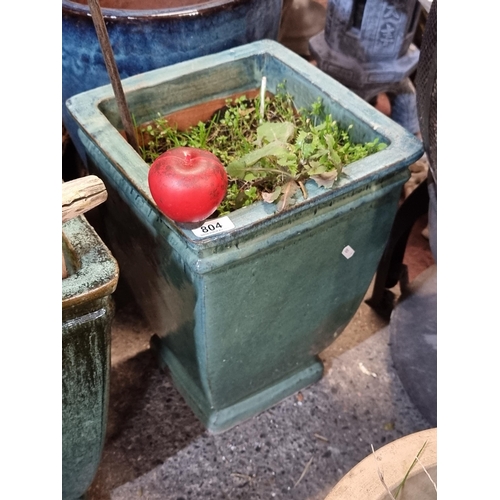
{"points": [[187, 183]]}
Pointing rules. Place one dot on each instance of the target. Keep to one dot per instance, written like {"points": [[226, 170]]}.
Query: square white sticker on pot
{"points": [[348, 252]]}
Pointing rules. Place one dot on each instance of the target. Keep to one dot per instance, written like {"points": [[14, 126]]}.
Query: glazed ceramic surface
{"points": [[156, 34], [241, 315], [87, 312]]}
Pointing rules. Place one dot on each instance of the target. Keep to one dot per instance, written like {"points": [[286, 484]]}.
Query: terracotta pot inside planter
{"points": [[188, 117]]}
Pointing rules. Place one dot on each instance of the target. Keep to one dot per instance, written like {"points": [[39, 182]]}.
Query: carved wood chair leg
{"points": [[391, 269]]}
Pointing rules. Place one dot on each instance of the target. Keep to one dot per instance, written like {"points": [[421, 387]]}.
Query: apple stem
{"points": [[262, 98]]}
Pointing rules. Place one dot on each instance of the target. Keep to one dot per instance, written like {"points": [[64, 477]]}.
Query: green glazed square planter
{"points": [[87, 313], [241, 315]]}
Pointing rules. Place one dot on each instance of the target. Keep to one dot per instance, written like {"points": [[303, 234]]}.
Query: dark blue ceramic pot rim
{"points": [[201, 9]]}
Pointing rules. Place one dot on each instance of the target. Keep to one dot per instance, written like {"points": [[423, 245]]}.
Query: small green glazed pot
{"points": [[87, 313], [242, 314]]}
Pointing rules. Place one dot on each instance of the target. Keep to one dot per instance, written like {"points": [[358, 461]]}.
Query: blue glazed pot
{"points": [[242, 315], [145, 39], [87, 313]]}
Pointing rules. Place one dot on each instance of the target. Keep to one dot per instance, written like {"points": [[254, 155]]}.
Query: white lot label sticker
{"points": [[214, 227], [348, 252]]}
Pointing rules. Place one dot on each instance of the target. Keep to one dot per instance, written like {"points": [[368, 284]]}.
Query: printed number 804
{"points": [[211, 227]]}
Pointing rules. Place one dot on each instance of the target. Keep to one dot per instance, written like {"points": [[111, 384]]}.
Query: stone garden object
{"points": [[90, 276], [367, 46]]}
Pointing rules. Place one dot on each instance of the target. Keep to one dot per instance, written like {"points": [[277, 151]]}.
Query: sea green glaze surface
{"points": [[242, 315], [87, 312]]}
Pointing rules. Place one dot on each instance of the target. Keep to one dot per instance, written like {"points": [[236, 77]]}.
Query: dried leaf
{"points": [[325, 180], [272, 197], [303, 189], [286, 198]]}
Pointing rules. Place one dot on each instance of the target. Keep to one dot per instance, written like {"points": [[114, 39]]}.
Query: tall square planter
{"points": [[87, 313], [241, 315]]}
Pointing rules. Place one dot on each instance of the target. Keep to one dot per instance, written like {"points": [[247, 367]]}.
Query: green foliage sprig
{"points": [[267, 157]]}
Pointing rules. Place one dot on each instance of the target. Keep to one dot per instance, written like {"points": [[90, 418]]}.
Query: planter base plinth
{"points": [[218, 420]]}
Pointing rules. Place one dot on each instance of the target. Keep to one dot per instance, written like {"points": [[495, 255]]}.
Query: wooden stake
{"points": [[114, 76], [81, 195]]}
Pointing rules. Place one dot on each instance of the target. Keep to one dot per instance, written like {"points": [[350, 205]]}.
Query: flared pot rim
{"points": [[200, 9]]}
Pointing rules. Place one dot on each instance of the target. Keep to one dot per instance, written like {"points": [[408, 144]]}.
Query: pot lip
{"points": [[394, 460], [404, 148], [206, 8], [97, 272]]}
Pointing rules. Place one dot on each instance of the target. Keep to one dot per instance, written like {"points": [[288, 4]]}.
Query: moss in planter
{"points": [[269, 151]]}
